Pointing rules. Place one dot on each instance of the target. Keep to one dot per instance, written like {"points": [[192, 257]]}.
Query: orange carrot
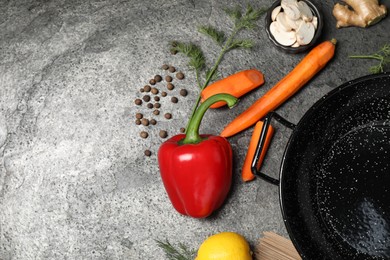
{"points": [[246, 173], [236, 85], [317, 58]]}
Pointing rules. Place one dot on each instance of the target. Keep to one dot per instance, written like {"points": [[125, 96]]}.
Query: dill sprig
{"points": [[193, 52], [217, 36], [180, 253], [383, 56], [241, 21]]}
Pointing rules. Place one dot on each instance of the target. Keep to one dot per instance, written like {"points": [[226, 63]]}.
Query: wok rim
{"points": [[293, 135]]}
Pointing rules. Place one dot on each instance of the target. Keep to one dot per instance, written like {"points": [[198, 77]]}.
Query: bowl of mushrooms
{"points": [[294, 26]]}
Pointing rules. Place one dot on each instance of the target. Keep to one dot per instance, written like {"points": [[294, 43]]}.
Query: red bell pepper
{"points": [[197, 169]]}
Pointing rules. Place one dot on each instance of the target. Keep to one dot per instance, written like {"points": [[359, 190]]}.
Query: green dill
{"points": [[241, 21], [180, 252], [217, 36], [244, 44], [383, 56]]}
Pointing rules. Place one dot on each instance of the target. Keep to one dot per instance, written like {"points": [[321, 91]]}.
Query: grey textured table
{"points": [[74, 182]]}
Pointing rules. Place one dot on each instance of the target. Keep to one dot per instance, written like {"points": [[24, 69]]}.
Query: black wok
{"points": [[335, 173]]}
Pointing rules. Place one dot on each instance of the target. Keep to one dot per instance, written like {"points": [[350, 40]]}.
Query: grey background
{"points": [[74, 183]]}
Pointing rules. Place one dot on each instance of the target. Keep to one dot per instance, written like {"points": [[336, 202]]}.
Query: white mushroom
{"points": [[305, 33], [275, 12], [295, 45], [288, 2], [282, 22], [294, 24], [314, 21], [290, 7], [305, 11], [282, 37]]}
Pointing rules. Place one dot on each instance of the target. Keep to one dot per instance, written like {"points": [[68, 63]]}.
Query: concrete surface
{"points": [[74, 182]]}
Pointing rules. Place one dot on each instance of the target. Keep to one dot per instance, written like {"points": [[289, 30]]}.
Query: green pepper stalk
{"points": [[192, 134]]}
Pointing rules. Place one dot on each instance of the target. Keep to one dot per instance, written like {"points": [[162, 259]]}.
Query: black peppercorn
{"points": [[144, 134], [145, 122], [149, 105], [183, 92], [156, 112], [157, 105], [147, 88], [168, 115], [163, 134], [152, 82], [154, 91], [156, 98], [157, 78], [170, 86], [165, 67], [164, 94], [168, 79], [153, 121], [148, 153], [139, 116], [180, 75], [138, 101], [172, 69], [174, 100], [146, 98]]}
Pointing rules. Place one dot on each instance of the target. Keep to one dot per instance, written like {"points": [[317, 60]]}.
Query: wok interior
{"points": [[335, 176]]}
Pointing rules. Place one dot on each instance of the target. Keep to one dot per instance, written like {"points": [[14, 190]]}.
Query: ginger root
{"points": [[364, 13]]}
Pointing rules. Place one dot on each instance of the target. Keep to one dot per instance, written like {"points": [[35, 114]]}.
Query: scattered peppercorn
{"points": [[180, 75], [144, 134], [148, 153], [156, 112], [149, 105], [157, 105], [168, 115], [163, 134], [137, 121], [152, 82], [146, 98], [153, 121], [139, 116], [165, 67], [172, 69], [173, 51], [170, 86], [156, 98], [164, 94], [141, 90], [154, 91], [174, 99], [182, 130], [138, 101], [145, 122], [157, 78], [168, 79], [183, 92], [147, 88]]}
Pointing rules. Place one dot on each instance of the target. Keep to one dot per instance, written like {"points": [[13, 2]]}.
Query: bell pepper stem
{"points": [[192, 134]]}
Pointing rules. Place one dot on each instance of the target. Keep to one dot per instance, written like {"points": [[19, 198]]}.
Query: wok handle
{"points": [[260, 145]]}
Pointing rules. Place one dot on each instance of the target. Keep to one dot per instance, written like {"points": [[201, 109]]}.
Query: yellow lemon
{"points": [[225, 246]]}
